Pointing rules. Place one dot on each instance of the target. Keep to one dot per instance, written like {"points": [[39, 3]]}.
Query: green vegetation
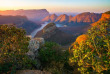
{"points": [[93, 55], [13, 46], [53, 59], [89, 55]]}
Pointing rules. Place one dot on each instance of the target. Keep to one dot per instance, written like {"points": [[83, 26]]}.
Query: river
{"points": [[42, 26], [38, 29]]}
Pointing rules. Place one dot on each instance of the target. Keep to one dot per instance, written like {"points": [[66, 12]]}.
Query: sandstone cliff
{"points": [[62, 19], [83, 18], [34, 15], [86, 17], [50, 18]]}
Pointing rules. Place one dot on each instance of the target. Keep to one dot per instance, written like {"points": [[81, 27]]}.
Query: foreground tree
{"points": [[13, 46], [93, 53]]}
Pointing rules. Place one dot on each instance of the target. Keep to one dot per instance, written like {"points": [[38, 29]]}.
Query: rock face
{"points": [[40, 40], [19, 21], [50, 18], [51, 33], [34, 45], [49, 30], [86, 17], [62, 18], [104, 17], [34, 15], [70, 18]]}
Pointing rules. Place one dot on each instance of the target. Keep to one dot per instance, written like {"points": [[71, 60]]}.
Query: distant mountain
{"points": [[51, 33], [33, 15], [70, 17], [86, 17], [62, 19], [50, 18], [104, 18], [20, 22]]}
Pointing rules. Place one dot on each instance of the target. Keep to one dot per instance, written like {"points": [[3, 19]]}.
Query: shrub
{"points": [[93, 54], [52, 58], [13, 46]]}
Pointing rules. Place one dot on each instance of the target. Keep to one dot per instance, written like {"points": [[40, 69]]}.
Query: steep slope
{"points": [[19, 21], [50, 18], [104, 18], [83, 18], [34, 15], [62, 19], [51, 33], [46, 19], [70, 18], [86, 17]]}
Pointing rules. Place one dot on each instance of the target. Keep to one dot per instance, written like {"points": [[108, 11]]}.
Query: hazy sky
{"points": [[57, 5]]}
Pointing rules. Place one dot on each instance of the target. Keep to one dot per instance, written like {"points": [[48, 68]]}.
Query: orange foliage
{"points": [[104, 17], [81, 38]]}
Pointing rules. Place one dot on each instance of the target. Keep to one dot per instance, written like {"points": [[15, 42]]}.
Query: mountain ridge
{"points": [[20, 22], [85, 17], [31, 14]]}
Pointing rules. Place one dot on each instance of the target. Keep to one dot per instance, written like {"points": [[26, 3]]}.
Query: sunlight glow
{"points": [[57, 5]]}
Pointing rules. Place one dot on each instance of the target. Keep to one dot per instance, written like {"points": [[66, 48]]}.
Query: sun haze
{"points": [[57, 5]]}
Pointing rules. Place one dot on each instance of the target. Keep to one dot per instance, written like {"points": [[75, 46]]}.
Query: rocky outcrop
{"points": [[34, 15], [49, 30], [62, 18], [86, 17], [50, 18], [83, 18], [34, 45], [51, 33]]}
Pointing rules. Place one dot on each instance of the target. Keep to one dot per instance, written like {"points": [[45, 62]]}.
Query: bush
{"points": [[52, 58], [93, 55], [13, 46]]}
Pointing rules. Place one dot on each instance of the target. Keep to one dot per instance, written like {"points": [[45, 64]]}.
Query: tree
{"points": [[13, 46], [93, 54]]}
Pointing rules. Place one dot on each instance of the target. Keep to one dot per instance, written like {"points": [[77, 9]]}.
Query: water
{"points": [[42, 26], [38, 29], [59, 25]]}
